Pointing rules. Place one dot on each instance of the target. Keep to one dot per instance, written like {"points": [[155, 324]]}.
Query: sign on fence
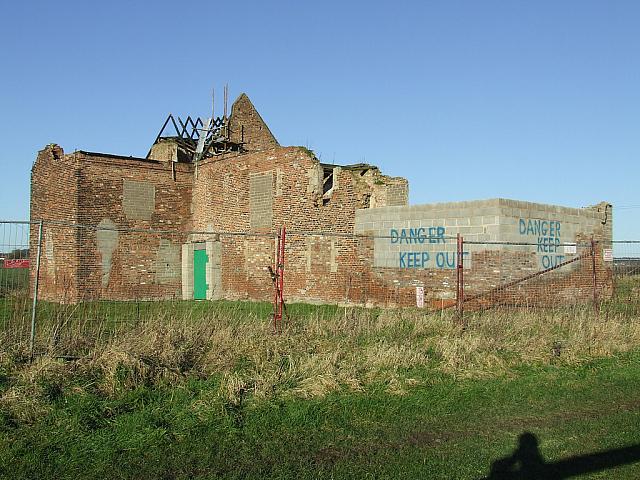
{"points": [[607, 254], [17, 263]]}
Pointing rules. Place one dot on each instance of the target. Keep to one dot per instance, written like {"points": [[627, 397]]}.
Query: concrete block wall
{"points": [[416, 245], [429, 229]]}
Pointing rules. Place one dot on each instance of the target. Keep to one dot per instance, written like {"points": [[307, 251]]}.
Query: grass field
{"points": [[206, 390]]}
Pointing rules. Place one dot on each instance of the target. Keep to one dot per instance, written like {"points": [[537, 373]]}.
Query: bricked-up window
{"points": [[138, 199], [261, 200]]}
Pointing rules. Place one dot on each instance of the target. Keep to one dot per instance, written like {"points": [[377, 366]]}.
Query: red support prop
{"points": [[460, 278], [278, 300], [594, 276]]}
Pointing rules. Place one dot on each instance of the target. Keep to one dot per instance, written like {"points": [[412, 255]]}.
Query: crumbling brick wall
{"points": [[54, 196], [253, 193], [257, 193], [246, 126], [102, 194]]}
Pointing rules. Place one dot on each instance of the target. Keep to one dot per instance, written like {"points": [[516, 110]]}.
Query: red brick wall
{"points": [[221, 202], [54, 196], [85, 188], [496, 277], [246, 125], [88, 188]]}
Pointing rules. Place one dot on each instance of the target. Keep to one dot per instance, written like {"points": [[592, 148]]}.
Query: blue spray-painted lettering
{"points": [[443, 260], [417, 235], [446, 259], [420, 259], [547, 233], [541, 228], [414, 259]]}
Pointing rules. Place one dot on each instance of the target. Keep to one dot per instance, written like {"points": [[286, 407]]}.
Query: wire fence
{"points": [[58, 280]]}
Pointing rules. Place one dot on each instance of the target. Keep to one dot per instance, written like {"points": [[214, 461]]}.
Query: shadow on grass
{"points": [[527, 463]]}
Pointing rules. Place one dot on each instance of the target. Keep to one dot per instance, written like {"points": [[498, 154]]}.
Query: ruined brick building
{"points": [[195, 219]]}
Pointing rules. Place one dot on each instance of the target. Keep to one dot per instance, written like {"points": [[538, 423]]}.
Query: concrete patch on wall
{"points": [[138, 199], [258, 254], [168, 265], [49, 253], [187, 271], [336, 178], [308, 253], [319, 252], [107, 242], [214, 269], [230, 192], [261, 199]]}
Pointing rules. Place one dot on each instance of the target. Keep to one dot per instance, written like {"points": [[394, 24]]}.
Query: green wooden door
{"points": [[200, 286]]}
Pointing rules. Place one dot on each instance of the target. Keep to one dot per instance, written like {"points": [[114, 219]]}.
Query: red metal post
{"points": [[283, 235], [275, 282], [460, 278], [278, 301], [593, 271]]}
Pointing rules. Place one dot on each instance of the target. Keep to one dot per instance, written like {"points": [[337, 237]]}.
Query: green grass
{"points": [[13, 279], [626, 298], [206, 390], [447, 429]]}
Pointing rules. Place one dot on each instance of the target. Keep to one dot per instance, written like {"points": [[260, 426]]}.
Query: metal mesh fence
{"points": [[626, 277], [535, 274], [15, 302], [96, 281]]}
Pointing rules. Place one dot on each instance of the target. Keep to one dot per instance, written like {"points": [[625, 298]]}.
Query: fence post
{"points": [[460, 279], [594, 277], [35, 294]]}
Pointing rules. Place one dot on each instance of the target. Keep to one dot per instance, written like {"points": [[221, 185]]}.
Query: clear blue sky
{"points": [[530, 100]]}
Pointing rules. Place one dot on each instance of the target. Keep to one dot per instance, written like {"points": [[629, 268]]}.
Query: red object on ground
{"points": [[19, 263]]}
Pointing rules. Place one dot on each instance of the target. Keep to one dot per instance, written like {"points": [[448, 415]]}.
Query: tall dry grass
{"points": [[315, 354]]}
